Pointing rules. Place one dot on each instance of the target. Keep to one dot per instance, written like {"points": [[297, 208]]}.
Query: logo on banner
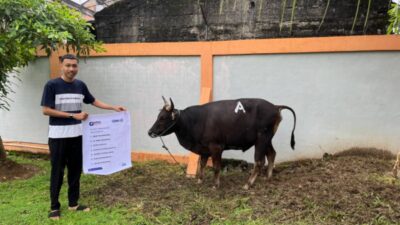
{"points": [[118, 120], [92, 123]]}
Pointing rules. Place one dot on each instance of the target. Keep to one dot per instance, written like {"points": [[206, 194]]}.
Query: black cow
{"points": [[209, 129]]}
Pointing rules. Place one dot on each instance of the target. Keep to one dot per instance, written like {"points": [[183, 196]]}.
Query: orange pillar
{"points": [[54, 65], [205, 96]]}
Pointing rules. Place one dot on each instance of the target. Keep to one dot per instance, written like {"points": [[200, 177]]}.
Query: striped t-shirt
{"points": [[67, 97]]}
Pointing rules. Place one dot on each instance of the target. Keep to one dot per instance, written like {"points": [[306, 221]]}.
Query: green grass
{"points": [[27, 202]]}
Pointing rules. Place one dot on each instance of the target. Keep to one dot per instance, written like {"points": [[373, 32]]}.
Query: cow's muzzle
{"points": [[152, 134]]}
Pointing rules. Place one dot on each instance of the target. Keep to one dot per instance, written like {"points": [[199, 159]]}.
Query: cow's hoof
{"points": [[199, 181], [246, 187]]}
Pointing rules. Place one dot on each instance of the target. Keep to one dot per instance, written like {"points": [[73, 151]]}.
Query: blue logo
{"points": [[92, 123], [118, 120]]}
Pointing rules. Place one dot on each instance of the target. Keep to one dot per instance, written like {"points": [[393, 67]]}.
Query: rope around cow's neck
{"points": [[173, 124], [166, 148], [162, 141]]}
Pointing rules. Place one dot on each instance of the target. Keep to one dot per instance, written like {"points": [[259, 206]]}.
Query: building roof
{"points": [[87, 13]]}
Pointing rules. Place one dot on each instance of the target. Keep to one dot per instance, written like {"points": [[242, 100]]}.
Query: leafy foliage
{"points": [[26, 25], [394, 19]]}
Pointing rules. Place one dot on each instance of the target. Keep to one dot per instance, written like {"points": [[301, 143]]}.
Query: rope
{"points": [[166, 148], [163, 144]]}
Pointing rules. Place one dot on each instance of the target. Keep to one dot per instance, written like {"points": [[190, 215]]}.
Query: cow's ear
{"points": [[172, 104]]}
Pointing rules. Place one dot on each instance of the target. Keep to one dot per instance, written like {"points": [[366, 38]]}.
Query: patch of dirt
{"points": [[10, 170], [350, 187]]}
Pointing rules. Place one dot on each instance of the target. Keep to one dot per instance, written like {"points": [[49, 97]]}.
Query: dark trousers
{"points": [[65, 152]]}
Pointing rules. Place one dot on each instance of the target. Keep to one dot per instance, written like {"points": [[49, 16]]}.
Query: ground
{"points": [[10, 170], [351, 187]]}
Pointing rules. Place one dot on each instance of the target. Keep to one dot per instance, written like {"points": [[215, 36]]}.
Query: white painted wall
{"points": [[341, 99], [138, 84], [134, 82], [25, 121]]}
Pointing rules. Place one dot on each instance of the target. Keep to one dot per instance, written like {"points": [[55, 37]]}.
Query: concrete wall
{"points": [[341, 99], [138, 84], [134, 82], [25, 121], [194, 20]]}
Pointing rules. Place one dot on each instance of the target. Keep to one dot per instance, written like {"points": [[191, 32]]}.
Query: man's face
{"points": [[69, 68]]}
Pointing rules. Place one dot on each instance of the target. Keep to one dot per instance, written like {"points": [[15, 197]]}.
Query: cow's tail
{"points": [[292, 142]]}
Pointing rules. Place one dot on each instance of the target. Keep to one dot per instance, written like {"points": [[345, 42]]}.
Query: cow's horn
{"points": [[165, 101], [172, 103], [166, 105]]}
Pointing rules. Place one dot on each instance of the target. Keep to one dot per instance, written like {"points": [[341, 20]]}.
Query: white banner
{"points": [[107, 143]]}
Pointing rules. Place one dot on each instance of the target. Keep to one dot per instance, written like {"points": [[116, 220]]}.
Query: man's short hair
{"points": [[68, 56]]}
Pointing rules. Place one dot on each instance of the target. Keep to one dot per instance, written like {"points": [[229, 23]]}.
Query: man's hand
{"points": [[81, 116], [103, 105], [60, 114], [119, 108]]}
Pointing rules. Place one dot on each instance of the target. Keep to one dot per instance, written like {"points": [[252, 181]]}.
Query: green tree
{"points": [[25, 26], [394, 19]]}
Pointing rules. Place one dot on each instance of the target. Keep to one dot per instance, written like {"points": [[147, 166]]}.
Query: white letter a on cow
{"points": [[239, 106]]}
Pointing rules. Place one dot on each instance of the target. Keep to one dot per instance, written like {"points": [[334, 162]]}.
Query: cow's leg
{"points": [[270, 148], [259, 159], [396, 166], [271, 159], [216, 159], [203, 163], [216, 156]]}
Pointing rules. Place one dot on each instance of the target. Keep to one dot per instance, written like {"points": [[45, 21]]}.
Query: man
{"points": [[62, 102]]}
